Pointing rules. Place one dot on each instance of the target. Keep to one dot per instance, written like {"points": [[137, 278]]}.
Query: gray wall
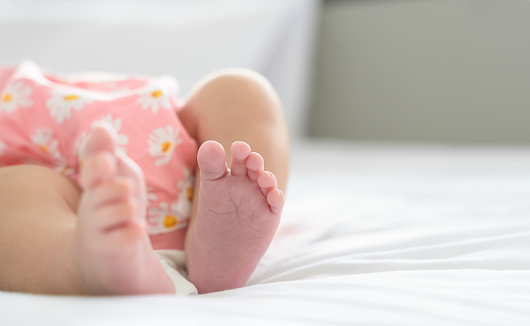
{"points": [[423, 70]]}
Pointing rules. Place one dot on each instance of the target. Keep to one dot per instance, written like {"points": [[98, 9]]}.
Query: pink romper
{"points": [[45, 119]]}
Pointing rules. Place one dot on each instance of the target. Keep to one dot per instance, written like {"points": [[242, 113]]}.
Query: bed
{"points": [[372, 234]]}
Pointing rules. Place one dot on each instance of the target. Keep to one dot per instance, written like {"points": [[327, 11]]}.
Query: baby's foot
{"points": [[112, 247], [237, 216]]}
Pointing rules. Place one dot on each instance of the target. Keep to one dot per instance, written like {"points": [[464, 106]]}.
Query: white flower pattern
{"points": [[166, 218], [150, 195], [15, 96], [49, 145], [185, 187], [64, 169], [44, 139], [162, 142], [154, 99], [62, 103]]}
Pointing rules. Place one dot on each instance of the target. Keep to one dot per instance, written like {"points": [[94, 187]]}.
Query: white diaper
{"points": [[174, 263]]}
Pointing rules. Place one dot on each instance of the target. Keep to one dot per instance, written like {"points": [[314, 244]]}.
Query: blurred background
{"points": [[450, 71], [435, 71]]}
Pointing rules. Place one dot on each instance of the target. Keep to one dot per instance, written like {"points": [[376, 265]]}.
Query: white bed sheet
{"points": [[371, 235]]}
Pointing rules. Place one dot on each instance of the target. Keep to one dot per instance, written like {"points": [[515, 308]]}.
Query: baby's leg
{"points": [[237, 211], [37, 227], [46, 247]]}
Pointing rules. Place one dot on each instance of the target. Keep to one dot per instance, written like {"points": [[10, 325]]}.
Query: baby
{"points": [[104, 192]]}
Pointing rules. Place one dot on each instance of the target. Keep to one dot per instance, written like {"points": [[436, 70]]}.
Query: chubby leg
{"points": [[237, 210], [37, 228], [55, 239]]}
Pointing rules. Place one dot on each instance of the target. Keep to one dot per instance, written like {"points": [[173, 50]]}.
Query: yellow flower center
{"points": [[7, 97], [156, 93], [166, 146], [190, 193], [71, 97], [44, 148], [170, 221], [64, 169]]}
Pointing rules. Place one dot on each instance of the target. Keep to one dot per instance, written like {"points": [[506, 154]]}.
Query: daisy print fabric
{"points": [[45, 119], [48, 144], [15, 96], [154, 100], [162, 142], [62, 102], [168, 216]]}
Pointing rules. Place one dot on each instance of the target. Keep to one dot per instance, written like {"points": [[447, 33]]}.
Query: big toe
{"points": [[102, 138], [97, 168], [211, 160]]}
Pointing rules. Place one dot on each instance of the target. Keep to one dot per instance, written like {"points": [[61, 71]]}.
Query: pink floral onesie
{"points": [[45, 119]]}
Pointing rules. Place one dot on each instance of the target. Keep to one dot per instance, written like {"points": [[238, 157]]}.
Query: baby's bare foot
{"points": [[237, 216], [112, 246]]}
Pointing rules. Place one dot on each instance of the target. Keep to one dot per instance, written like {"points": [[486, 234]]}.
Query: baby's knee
{"points": [[239, 91], [237, 85], [236, 79]]}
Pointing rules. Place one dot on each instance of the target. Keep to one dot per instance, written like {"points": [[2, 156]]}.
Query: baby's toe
{"points": [[275, 199], [111, 191], [97, 168], [102, 138], [255, 165], [267, 182], [211, 160], [268, 185], [116, 215], [240, 152]]}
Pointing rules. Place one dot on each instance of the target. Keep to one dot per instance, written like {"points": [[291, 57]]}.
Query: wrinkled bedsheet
{"points": [[372, 234]]}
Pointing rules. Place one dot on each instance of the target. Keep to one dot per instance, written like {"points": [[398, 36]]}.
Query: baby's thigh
{"points": [[37, 226], [35, 189]]}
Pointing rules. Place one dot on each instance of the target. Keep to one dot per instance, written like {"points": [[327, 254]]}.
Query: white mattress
{"points": [[371, 235]]}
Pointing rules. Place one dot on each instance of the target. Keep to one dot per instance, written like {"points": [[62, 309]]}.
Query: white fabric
{"points": [[371, 235], [174, 263]]}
